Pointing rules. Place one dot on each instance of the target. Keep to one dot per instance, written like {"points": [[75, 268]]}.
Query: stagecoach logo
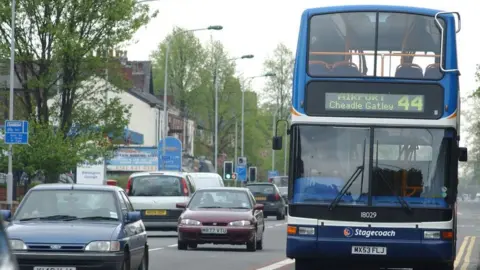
{"points": [[348, 232], [55, 247]]}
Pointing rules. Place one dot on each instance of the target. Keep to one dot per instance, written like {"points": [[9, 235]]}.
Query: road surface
{"points": [[165, 255]]}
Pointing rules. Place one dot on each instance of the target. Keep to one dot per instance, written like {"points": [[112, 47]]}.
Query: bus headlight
{"points": [[306, 231], [431, 234]]}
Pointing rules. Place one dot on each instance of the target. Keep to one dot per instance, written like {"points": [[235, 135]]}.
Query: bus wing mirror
{"points": [[277, 143], [462, 154]]}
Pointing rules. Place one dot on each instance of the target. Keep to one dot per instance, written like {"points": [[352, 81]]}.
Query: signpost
{"points": [[172, 160], [241, 169], [16, 132], [272, 174]]}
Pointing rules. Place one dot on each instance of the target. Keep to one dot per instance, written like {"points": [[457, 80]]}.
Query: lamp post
{"points": [[268, 74], [169, 43], [246, 56], [10, 108]]}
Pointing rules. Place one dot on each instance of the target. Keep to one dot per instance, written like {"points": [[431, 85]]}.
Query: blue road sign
{"points": [[272, 174], [172, 160], [241, 171], [16, 132]]}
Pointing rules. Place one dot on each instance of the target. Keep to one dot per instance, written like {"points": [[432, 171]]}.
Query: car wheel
{"points": [[193, 245], [144, 264], [126, 261], [280, 216], [252, 246], [182, 245]]}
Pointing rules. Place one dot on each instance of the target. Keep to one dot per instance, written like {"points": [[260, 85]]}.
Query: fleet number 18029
{"points": [[368, 214]]}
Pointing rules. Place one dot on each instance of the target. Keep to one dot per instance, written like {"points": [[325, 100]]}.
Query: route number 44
{"points": [[406, 103]]}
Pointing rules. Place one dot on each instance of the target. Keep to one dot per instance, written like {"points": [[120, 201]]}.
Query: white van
{"points": [[206, 180]]}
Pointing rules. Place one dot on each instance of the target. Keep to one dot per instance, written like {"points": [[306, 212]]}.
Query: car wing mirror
{"points": [[6, 215], [258, 206], [181, 205], [133, 216]]}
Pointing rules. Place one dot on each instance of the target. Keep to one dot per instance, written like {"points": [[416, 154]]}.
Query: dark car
{"points": [[7, 260], [269, 195], [65, 226], [221, 216]]}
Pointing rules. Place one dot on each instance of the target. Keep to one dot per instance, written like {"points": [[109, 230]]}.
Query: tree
{"points": [[278, 89], [216, 66], [185, 62], [54, 42]]}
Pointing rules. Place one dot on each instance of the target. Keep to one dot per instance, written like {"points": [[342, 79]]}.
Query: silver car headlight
{"points": [[240, 223], [190, 222], [16, 244], [103, 246]]}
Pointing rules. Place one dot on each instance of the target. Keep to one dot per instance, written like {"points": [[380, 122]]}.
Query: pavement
{"points": [[165, 255]]}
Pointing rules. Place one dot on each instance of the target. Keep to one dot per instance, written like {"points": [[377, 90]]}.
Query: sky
{"points": [[257, 26]]}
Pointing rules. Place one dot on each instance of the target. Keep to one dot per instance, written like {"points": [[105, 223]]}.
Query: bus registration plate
{"points": [[369, 250]]}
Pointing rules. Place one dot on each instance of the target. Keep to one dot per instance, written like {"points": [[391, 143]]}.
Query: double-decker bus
{"points": [[374, 138]]}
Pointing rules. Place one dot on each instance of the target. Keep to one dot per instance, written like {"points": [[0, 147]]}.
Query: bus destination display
{"points": [[374, 102]]}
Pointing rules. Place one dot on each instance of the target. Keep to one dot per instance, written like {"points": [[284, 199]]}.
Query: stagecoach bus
{"points": [[374, 138]]}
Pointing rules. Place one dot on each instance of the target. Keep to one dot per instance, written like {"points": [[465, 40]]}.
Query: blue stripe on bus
{"points": [[332, 241]]}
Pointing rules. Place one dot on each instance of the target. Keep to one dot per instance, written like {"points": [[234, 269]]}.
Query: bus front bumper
{"points": [[397, 252]]}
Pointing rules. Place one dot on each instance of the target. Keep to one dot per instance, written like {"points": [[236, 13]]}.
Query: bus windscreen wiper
{"points": [[346, 187], [400, 199]]}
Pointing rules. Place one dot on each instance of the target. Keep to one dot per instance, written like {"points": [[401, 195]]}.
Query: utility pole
{"points": [[273, 134], [236, 145], [285, 150], [10, 108]]}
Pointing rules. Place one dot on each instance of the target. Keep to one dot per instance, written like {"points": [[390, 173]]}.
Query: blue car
{"points": [[77, 227]]}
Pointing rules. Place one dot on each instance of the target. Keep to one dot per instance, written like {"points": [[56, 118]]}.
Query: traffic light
{"points": [[252, 174], [227, 170]]}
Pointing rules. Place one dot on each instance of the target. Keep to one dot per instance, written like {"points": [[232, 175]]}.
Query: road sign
{"points": [[16, 132], [272, 174], [242, 172], [172, 160], [241, 161]]}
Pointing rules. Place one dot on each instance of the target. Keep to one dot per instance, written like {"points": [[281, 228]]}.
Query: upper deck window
{"points": [[355, 44]]}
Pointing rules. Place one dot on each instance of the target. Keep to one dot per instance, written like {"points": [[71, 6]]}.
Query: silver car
{"points": [[156, 194]]}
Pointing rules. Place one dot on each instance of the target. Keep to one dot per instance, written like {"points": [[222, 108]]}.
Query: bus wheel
{"points": [[303, 264], [441, 266]]}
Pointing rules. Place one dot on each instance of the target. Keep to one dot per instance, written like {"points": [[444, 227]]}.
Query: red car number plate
{"points": [[214, 230]]}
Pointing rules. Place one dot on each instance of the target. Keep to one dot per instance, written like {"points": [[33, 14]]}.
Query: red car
{"points": [[221, 216]]}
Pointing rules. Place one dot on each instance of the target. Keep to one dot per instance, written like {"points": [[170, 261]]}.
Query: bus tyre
{"points": [[302, 264], [441, 266]]}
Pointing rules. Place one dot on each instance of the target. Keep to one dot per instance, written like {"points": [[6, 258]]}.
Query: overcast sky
{"points": [[257, 26]]}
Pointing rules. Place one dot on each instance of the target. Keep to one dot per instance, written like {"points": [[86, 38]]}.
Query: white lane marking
{"points": [[269, 227], [153, 249], [277, 265], [279, 225], [174, 245]]}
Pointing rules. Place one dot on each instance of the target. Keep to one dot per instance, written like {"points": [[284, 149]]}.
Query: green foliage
{"points": [[55, 43], [278, 89], [51, 153], [193, 71]]}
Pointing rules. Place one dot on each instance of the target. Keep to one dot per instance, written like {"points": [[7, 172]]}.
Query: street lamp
{"points": [[268, 74], [169, 43], [246, 56], [10, 108]]}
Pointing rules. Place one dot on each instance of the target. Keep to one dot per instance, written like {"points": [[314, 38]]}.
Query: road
{"points": [[165, 255]]}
